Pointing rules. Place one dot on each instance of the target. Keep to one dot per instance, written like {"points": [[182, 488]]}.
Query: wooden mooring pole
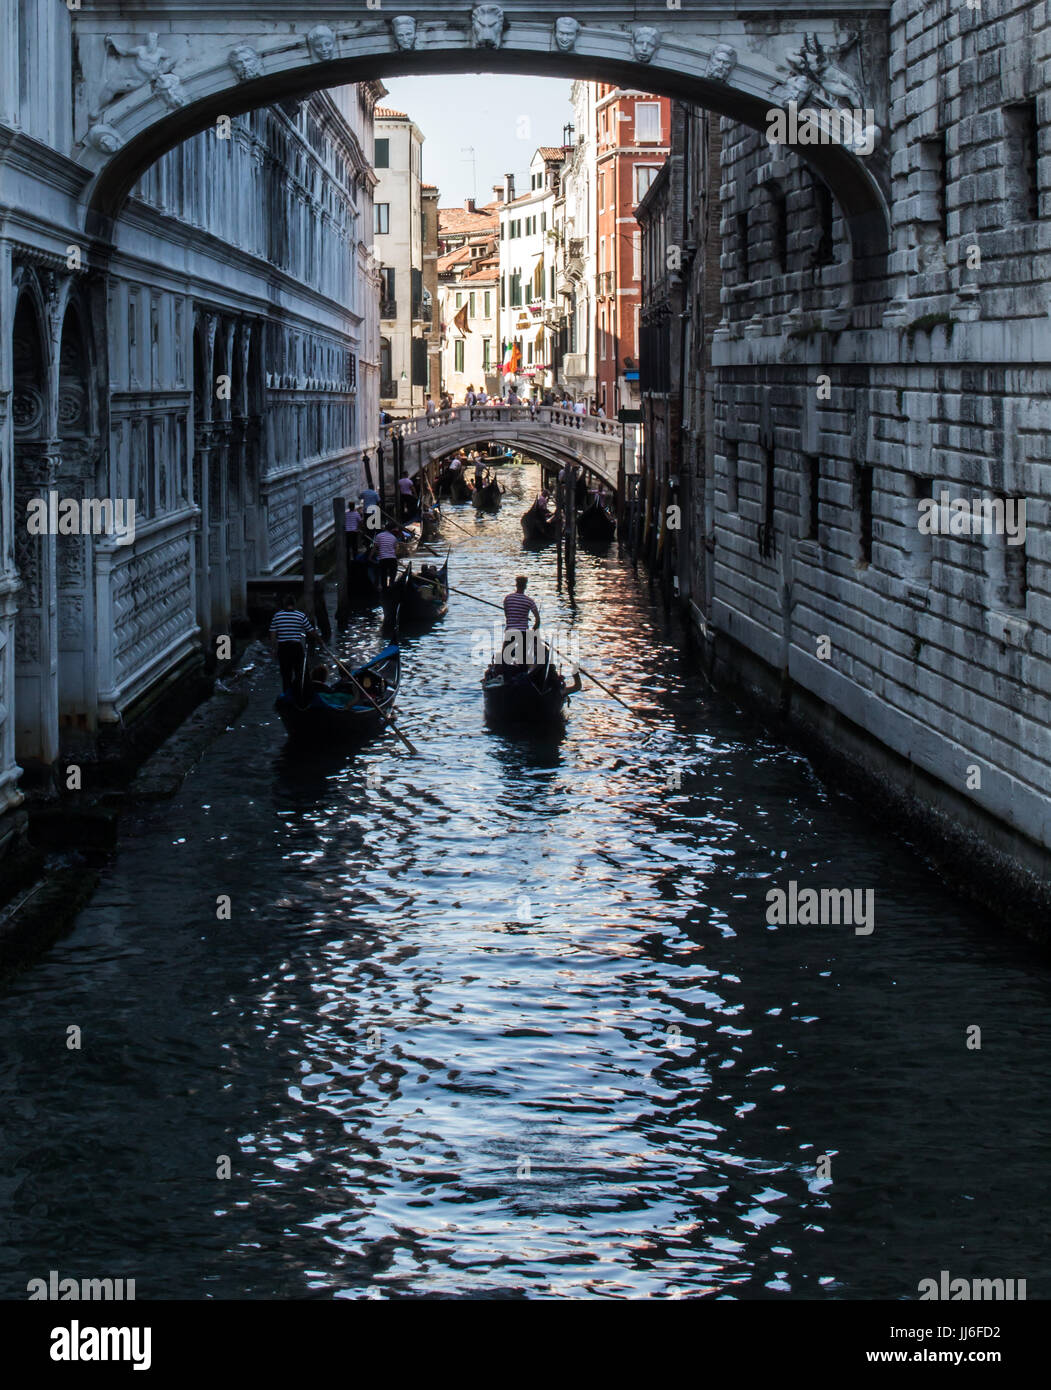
{"points": [[308, 562], [339, 513]]}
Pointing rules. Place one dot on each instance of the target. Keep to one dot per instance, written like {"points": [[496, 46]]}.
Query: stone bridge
{"points": [[149, 76], [550, 435]]}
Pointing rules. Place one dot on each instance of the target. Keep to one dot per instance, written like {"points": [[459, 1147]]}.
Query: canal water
{"points": [[509, 1019]]}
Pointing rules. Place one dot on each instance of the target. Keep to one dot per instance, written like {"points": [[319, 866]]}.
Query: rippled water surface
{"points": [[513, 1022]]}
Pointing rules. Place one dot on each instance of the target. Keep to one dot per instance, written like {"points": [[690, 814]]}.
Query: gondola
{"points": [[487, 497], [539, 527], [344, 714], [596, 525], [459, 487], [363, 582], [417, 599], [431, 522], [534, 695]]}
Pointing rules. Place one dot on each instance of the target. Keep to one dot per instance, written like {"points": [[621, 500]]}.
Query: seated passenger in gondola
{"points": [[318, 683]]}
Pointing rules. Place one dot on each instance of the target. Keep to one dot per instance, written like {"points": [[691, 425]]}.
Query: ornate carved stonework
{"points": [[645, 40], [104, 138], [27, 408], [487, 26], [567, 31], [721, 63], [245, 62], [322, 43], [403, 29], [814, 77]]}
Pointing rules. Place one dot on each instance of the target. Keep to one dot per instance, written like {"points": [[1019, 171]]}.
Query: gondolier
{"points": [[386, 552], [352, 525], [289, 633], [518, 608]]}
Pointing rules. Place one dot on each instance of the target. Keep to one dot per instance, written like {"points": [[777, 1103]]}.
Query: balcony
{"points": [[575, 364], [423, 313], [605, 284], [388, 390], [388, 308]]}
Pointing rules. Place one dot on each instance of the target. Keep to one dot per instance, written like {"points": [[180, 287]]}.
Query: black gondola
{"points": [[459, 487], [431, 522], [596, 525], [418, 599], [487, 497], [363, 582], [539, 526], [535, 695], [345, 714]]}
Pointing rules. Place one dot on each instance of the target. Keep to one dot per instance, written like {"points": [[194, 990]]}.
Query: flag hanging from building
{"points": [[461, 321], [512, 359]]}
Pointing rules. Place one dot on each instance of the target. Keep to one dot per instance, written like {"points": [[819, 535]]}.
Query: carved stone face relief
{"points": [[245, 62], [403, 27], [567, 31], [645, 40], [322, 43], [722, 62], [487, 25]]}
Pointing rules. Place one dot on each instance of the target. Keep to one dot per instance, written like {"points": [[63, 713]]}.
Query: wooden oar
{"points": [[591, 677], [385, 717]]}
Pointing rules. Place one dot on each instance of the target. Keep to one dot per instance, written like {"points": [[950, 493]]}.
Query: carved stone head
{"points": [[645, 40], [722, 62], [403, 27], [797, 89], [322, 43], [567, 31], [245, 62], [487, 24]]}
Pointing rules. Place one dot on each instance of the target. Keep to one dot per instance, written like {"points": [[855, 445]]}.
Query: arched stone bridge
{"points": [[148, 76], [552, 435]]}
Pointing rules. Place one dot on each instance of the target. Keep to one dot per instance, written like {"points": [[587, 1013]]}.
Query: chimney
{"points": [[498, 189], [509, 188], [470, 205]]}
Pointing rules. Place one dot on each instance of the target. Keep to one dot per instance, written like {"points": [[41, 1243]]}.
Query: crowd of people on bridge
{"points": [[533, 398]]}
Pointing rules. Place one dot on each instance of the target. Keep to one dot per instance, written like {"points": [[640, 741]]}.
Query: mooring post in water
{"points": [[571, 522], [339, 512], [308, 562]]}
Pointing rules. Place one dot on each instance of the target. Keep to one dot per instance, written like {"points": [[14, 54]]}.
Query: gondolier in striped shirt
{"points": [[519, 649], [289, 633]]}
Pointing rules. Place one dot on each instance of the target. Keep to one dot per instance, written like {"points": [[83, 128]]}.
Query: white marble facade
{"points": [[219, 370]]}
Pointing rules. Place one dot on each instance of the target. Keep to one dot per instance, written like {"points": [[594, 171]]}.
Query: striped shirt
{"points": [[517, 608], [353, 520], [386, 546], [290, 625]]}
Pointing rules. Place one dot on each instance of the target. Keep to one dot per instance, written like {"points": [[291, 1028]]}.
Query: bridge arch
{"points": [[202, 67]]}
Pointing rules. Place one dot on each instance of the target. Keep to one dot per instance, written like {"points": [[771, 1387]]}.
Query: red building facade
{"points": [[633, 137]]}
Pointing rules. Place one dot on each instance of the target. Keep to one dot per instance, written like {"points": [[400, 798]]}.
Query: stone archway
{"points": [[36, 463], [141, 93]]}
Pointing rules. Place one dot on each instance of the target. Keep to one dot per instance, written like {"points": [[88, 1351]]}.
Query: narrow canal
{"points": [[511, 1020]]}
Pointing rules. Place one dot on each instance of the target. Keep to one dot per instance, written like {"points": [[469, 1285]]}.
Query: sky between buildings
{"points": [[504, 118]]}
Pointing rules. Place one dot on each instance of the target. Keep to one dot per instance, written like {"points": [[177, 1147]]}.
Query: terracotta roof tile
{"points": [[385, 113]]}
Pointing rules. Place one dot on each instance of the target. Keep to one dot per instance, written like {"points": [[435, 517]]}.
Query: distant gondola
{"points": [[524, 695], [431, 522], [539, 526], [596, 525], [417, 599], [345, 713], [487, 497]]}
